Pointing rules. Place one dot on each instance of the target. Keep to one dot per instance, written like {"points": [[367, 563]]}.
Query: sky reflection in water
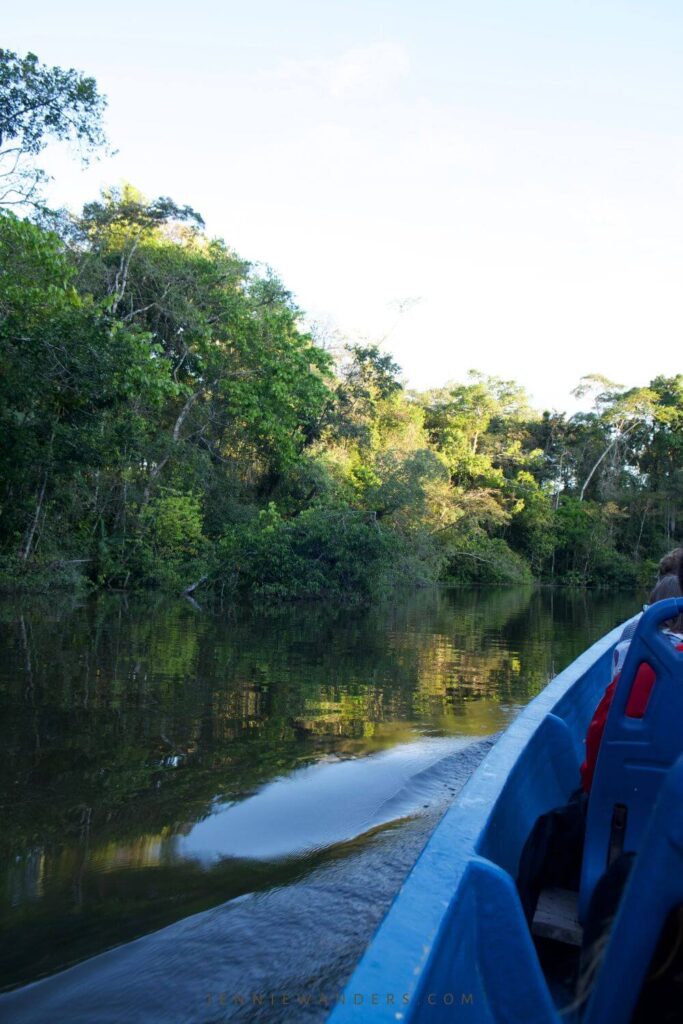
{"points": [[160, 761]]}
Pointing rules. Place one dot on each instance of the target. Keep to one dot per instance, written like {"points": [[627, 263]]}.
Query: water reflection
{"points": [[160, 760]]}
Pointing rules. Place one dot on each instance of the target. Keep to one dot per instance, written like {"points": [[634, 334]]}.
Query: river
{"points": [[206, 813]]}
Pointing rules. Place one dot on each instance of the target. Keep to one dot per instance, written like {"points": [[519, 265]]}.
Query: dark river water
{"points": [[206, 814]]}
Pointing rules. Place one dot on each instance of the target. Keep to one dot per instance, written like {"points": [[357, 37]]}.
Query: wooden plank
{"points": [[556, 917]]}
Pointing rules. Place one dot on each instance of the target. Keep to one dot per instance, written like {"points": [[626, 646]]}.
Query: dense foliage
{"points": [[165, 419]]}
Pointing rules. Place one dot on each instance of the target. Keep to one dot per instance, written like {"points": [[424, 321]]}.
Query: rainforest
{"points": [[170, 419]]}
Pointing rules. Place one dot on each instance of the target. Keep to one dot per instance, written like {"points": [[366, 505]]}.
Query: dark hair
{"points": [[670, 586], [671, 562]]}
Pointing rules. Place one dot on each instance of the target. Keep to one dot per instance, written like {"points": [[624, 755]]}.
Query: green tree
{"points": [[69, 381], [251, 385], [619, 413], [39, 104], [660, 459]]}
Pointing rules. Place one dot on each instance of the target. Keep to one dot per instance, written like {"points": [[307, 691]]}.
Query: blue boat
{"points": [[455, 944]]}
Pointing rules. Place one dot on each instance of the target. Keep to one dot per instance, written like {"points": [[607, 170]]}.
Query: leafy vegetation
{"points": [[166, 418], [39, 104]]}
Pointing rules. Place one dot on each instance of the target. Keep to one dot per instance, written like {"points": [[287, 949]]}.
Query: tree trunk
{"points": [[620, 436], [182, 416], [26, 550], [642, 527]]}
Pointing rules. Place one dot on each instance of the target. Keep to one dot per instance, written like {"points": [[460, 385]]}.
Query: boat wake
{"points": [[328, 803], [317, 857]]}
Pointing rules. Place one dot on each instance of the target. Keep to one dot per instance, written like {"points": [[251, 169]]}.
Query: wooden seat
{"points": [[557, 918]]}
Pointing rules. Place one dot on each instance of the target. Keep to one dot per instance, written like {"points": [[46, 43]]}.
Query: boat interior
{"points": [[624, 923], [457, 929]]}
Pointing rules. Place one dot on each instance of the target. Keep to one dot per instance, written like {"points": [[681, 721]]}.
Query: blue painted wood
{"points": [[644, 908], [455, 943], [635, 753]]}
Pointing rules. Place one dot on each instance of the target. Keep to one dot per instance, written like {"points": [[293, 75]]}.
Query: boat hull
{"points": [[454, 944]]}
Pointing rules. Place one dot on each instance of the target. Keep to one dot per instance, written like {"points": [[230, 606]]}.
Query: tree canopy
{"points": [[167, 418], [39, 104]]}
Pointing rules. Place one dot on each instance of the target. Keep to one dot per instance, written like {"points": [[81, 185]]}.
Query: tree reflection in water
{"points": [[127, 722]]}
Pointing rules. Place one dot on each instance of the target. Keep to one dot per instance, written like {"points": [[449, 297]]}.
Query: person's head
{"points": [[670, 563], [670, 586]]}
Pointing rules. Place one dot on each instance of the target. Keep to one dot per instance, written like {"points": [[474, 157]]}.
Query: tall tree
{"points": [[39, 104], [619, 412], [69, 378]]}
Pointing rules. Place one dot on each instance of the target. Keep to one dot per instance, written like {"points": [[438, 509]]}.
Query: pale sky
{"points": [[514, 165]]}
